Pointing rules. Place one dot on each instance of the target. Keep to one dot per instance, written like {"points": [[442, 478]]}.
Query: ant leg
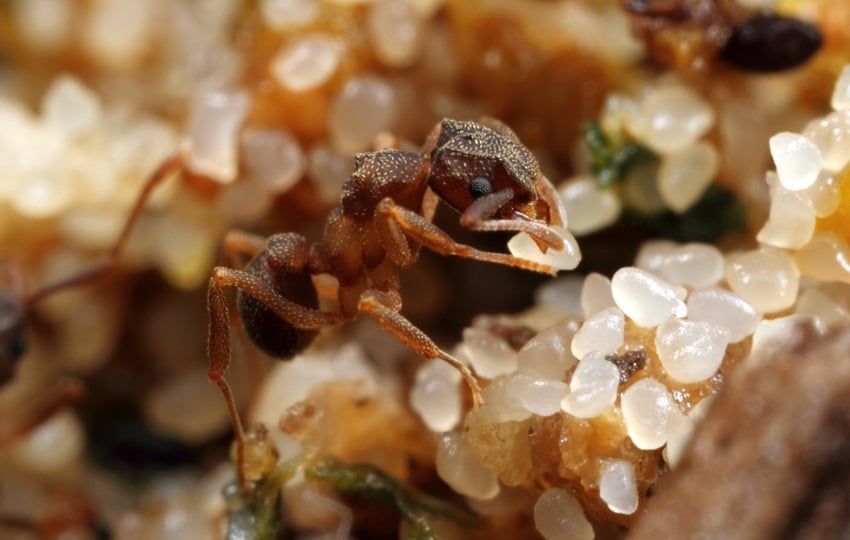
{"points": [[557, 213], [477, 218], [429, 204], [171, 165], [218, 343], [65, 392], [238, 244], [376, 304], [401, 221]]}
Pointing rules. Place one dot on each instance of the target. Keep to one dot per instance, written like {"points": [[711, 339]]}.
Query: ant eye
{"points": [[479, 187]]}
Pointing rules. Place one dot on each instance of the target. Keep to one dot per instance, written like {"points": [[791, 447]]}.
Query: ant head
{"points": [[471, 160]]}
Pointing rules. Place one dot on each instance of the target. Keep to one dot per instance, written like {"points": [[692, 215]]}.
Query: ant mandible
{"points": [[480, 169]]}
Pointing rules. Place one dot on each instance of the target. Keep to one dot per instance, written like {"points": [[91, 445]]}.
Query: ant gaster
{"points": [[479, 169]]}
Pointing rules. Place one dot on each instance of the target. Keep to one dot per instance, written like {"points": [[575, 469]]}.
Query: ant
{"points": [[479, 169]]}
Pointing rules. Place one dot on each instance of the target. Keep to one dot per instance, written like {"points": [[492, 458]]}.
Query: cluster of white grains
{"points": [[806, 186], [694, 301], [79, 166], [670, 120]]}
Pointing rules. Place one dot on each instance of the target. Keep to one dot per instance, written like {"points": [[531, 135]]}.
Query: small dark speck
{"points": [[628, 363]]}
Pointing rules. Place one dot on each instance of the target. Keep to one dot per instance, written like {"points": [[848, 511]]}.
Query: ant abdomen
{"points": [[270, 333]]}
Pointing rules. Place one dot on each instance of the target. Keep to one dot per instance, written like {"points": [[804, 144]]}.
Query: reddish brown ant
{"points": [[479, 169]]}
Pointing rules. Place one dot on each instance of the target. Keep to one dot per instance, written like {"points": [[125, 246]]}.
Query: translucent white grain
{"points": [[559, 516], [639, 189], [396, 32], [673, 118], [243, 202], [538, 396], [766, 277], [52, 447], [490, 355], [652, 254], [823, 306], [798, 161], [274, 158], [831, 135], [459, 467], [502, 399], [824, 194], [70, 106], [723, 308], [603, 332], [365, 107], [547, 355], [593, 387], [290, 382], [288, 14], [841, 93], [618, 113], [774, 332], [184, 407], [693, 265], [118, 34], [45, 193], [650, 413], [685, 174], [681, 434], [645, 298], [183, 251], [618, 487], [329, 169], [213, 131], [690, 351], [791, 221], [678, 440], [307, 62], [589, 207], [523, 246], [436, 396], [596, 294], [44, 25], [563, 294], [826, 257]]}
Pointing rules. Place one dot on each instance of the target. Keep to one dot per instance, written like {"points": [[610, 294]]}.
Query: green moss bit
{"points": [[609, 162], [259, 518], [716, 213]]}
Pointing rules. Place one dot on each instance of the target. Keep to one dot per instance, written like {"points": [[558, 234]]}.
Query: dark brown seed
{"points": [[771, 43]]}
